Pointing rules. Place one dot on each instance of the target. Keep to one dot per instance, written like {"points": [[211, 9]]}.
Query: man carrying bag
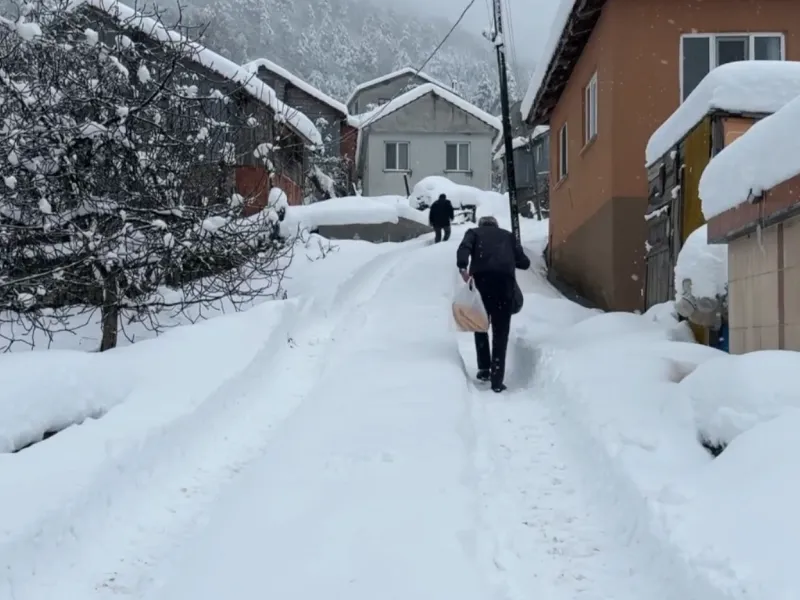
{"points": [[489, 256]]}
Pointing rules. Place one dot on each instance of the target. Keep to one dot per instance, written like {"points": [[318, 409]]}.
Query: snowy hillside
{"points": [[336, 44]]}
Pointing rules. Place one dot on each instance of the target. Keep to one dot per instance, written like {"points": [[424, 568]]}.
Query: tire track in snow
{"points": [[153, 496], [547, 535]]}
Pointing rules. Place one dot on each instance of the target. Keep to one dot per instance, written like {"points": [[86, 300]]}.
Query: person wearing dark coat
{"points": [[440, 216], [489, 255]]}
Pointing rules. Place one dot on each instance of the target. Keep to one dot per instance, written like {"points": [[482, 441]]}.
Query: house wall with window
{"points": [[691, 38], [689, 41], [429, 136], [581, 231], [599, 185]]}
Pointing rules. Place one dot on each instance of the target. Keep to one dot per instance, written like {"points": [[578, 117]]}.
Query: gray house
{"points": [[381, 90], [330, 116], [531, 169], [426, 131]]}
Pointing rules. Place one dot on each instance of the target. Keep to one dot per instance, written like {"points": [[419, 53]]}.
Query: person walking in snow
{"points": [[440, 217], [489, 255]]}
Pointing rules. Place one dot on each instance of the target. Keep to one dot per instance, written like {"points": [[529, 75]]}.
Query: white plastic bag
{"points": [[469, 312]]}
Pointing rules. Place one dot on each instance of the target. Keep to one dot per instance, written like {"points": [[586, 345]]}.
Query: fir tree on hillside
{"points": [[337, 44]]}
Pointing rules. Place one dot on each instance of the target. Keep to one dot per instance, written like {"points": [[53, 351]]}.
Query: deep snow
{"points": [[334, 445]]}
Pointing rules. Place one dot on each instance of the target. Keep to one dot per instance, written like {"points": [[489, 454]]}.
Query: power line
{"points": [[417, 71], [424, 64]]}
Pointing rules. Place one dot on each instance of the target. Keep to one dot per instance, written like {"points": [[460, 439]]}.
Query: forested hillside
{"points": [[336, 44]]}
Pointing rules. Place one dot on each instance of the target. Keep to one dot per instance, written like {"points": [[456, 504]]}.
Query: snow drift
{"points": [[350, 210]]}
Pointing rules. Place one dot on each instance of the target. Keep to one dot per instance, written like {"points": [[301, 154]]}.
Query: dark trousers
{"points": [[438, 231], [497, 293]]}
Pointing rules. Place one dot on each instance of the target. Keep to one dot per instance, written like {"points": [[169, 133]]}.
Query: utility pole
{"points": [[499, 43]]}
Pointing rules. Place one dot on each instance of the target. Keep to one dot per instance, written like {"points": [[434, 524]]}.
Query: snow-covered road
{"points": [[359, 462]]}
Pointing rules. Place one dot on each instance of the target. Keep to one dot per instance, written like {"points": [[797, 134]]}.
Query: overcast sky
{"points": [[531, 20]]}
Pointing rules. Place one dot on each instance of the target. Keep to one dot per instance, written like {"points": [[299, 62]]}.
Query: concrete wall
{"points": [[427, 124], [764, 289], [401, 231]]}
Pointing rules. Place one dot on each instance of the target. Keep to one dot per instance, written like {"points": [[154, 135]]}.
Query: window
{"points": [[702, 52], [562, 152], [397, 156], [590, 110], [457, 156]]}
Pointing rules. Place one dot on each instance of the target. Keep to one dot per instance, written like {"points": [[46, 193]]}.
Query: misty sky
{"points": [[531, 21]]}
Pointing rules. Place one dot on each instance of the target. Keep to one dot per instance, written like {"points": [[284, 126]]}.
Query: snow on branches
{"points": [[118, 168]]}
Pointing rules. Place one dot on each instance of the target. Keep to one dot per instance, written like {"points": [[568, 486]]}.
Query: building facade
{"points": [[427, 131], [613, 71]]}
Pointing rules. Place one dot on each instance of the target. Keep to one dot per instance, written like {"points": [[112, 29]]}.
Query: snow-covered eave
{"points": [[765, 156], [254, 65], [516, 143], [519, 142], [748, 88], [127, 17], [423, 90], [563, 48], [394, 75], [713, 111]]}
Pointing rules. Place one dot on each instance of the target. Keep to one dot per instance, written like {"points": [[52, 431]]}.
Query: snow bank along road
{"points": [[354, 460]]}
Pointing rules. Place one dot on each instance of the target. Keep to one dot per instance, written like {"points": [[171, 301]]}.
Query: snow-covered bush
{"points": [[117, 157]]}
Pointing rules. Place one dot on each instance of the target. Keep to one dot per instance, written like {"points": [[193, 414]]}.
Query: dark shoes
{"points": [[486, 375]]}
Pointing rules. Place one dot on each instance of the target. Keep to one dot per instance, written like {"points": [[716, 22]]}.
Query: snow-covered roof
{"points": [[368, 118], [543, 65], [749, 87], [394, 75], [765, 156], [300, 84], [519, 142], [128, 17], [418, 92]]}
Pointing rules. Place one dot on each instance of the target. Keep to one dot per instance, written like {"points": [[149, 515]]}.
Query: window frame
{"points": [[458, 168], [563, 152], [590, 106], [397, 168], [712, 48]]}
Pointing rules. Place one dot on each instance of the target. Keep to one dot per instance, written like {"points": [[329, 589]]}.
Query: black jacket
{"points": [[441, 213], [490, 249]]}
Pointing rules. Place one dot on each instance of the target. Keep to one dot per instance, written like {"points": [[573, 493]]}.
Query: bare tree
{"points": [[117, 165]]}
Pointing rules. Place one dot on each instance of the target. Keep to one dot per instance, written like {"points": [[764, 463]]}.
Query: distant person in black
{"points": [[490, 256], [440, 217]]}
